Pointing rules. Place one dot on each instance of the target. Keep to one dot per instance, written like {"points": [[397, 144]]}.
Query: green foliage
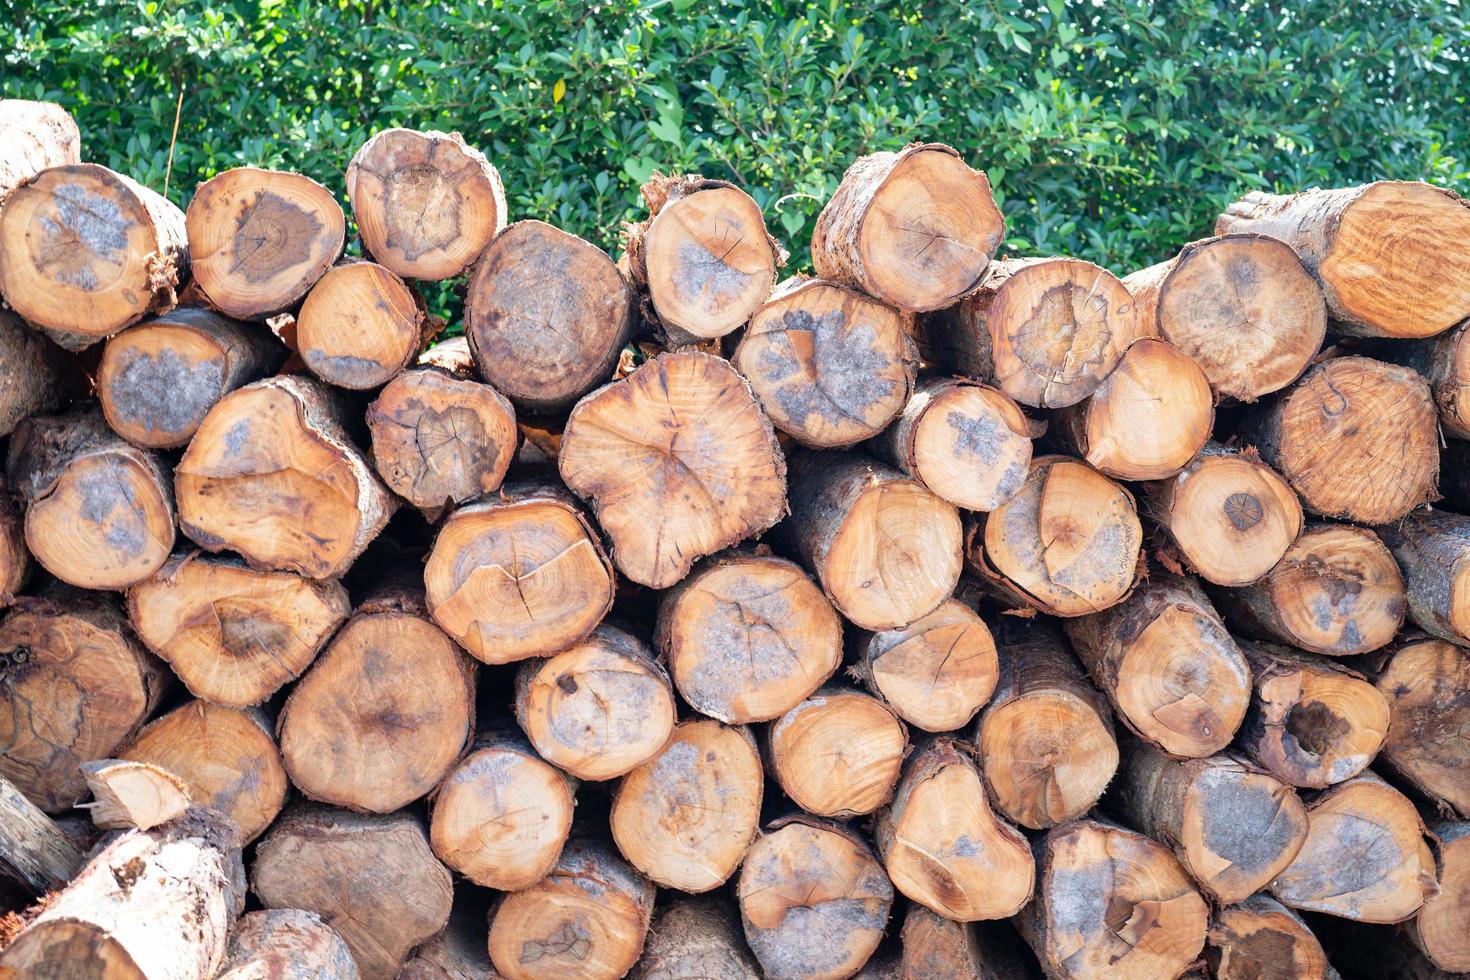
{"points": [[1114, 130]]}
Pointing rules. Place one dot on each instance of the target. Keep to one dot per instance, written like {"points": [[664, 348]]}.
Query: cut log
{"points": [[1442, 927], [31, 372], [1046, 741], [85, 252], [1147, 419], [886, 550], [34, 136], [1167, 664], [234, 635], [156, 381], [361, 325], [156, 903], [585, 921], [385, 711], [372, 878], [520, 574], [1365, 857], [678, 462], [1111, 903], [1336, 591], [704, 255], [546, 315], [686, 817], [33, 850], [286, 944], [1444, 361], [501, 816], [1231, 515], [1261, 939], [99, 511], [944, 847], [16, 566], [1365, 952], [829, 366], [426, 203], [272, 475], [1424, 683], [916, 228], [135, 794], [747, 636], [956, 339], [598, 709], [1326, 435], [1454, 475], [1069, 543], [74, 684], [814, 901], [1390, 255], [1312, 721], [935, 947], [440, 437], [838, 753], [965, 442], [1242, 306], [458, 951], [696, 939], [937, 671], [1433, 549], [260, 239]]}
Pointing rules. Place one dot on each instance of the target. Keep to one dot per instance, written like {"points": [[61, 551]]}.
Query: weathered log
{"points": [[1424, 682], [1442, 927], [1433, 549], [286, 944], [1444, 361], [128, 794], [696, 939], [361, 325], [33, 851], [458, 951], [935, 947], [838, 753], [16, 566], [31, 372], [34, 136], [936, 672], [1261, 939], [1375, 952]]}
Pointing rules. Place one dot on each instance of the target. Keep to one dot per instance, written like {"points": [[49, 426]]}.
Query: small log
{"points": [[501, 816], [587, 920], [1442, 927], [965, 442], [1326, 435], [1167, 664], [1241, 306], [234, 635], [73, 685], [85, 252], [286, 944], [686, 817], [944, 847], [937, 671], [696, 939], [746, 637], [1444, 361], [886, 550], [1312, 722], [916, 228], [704, 255], [838, 753], [1148, 419], [260, 239], [34, 136], [935, 947], [361, 325], [598, 709], [386, 709], [135, 794], [33, 850], [1046, 743], [31, 371], [370, 877], [16, 566], [458, 951], [272, 475], [1388, 254], [814, 900], [158, 380], [546, 315], [1336, 591], [426, 203], [519, 574], [156, 903], [1261, 939], [440, 437], [1424, 683], [1231, 516], [99, 511], [829, 366], [1365, 857], [1433, 549], [1069, 543], [678, 462]]}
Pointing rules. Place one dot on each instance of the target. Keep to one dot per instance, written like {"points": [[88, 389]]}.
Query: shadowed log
{"points": [[1442, 927], [1261, 939], [286, 944], [696, 939], [31, 372], [1433, 549]]}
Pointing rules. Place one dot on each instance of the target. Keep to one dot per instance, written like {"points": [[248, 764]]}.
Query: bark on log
{"points": [[916, 228], [1326, 434], [1167, 664], [838, 753], [678, 462], [747, 636], [829, 366], [1367, 952], [1442, 927], [31, 372], [33, 850], [937, 672], [99, 511], [286, 944], [426, 203], [85, 252], [1261, 939], [1444, 361], [696, 939], [361, 325], [459, 950], [1424, 682], [1433, 549], [935, 947], [1390, 255], [260, 239], [34, 136], [272, 475], [16, 566], [128, 794]]}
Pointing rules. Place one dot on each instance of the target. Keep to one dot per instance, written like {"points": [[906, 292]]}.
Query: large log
{"points": [[31, 372], [34, 136], [935, 672], [1433, 549], [286, 944], [837, 753], [1442, 927], [696, 939], [916, 228], [34, 852], [361, 325], [1261, 939], [1444, 361], [1424, 682]]}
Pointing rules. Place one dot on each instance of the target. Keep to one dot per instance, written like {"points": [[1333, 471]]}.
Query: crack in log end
{"points": [[85, 233], [271, 236], [1243, 510], [422, 211]]}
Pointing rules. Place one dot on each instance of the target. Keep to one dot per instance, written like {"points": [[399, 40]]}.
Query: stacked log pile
{"points": [[920, 619]]}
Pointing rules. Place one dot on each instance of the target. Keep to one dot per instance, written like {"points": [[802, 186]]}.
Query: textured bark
{"points": [[16, 564], [837, 753], [458, 951], [33, 851], [1433, 549], [31, 373], [36, 136], [286, 944], [696, 939], [934, 947]]}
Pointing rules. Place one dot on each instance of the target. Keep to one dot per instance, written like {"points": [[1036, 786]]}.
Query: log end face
{"points": [[972, 447], [156, 383], [1049, 756]]}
